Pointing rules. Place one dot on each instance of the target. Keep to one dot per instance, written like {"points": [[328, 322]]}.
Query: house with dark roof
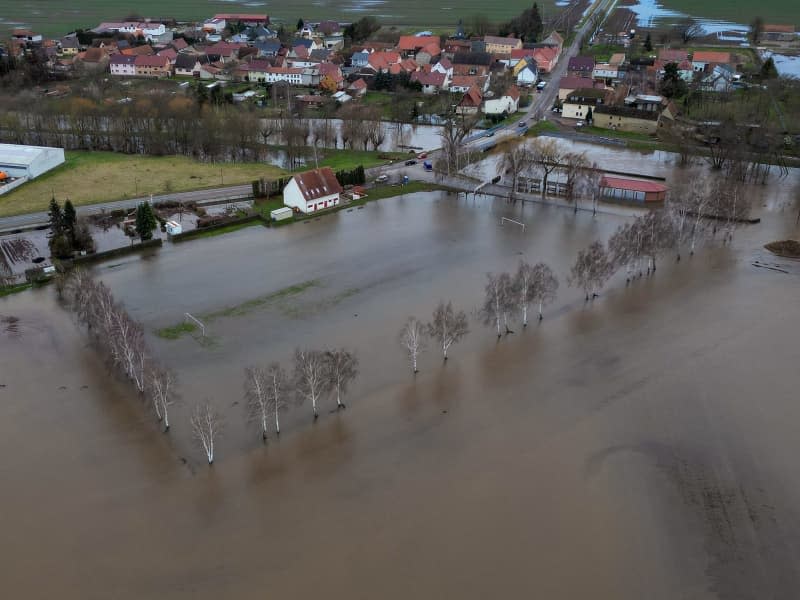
{"points": [[625, 118], [190, 65], [312, 191], [432, 82], [581, 66], [581, 103], [122, 65]]}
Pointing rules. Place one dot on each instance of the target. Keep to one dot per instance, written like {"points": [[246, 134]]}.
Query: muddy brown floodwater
{"points": [[642, 446]]}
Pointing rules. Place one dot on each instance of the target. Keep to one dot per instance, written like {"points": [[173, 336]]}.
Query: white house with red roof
{"points": [[507, 103], [312, 191]]}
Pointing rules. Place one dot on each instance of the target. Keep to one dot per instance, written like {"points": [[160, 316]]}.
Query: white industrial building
{"points": [[29, 161]]}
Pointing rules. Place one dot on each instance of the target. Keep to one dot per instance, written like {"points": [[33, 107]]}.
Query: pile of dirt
{"points": [[787, 248]]}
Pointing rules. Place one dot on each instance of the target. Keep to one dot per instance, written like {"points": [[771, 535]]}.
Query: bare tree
{"points": [[277, 383], [514, 161], [341, 367], [448, 326], [412, 338], [545, 286], [162, 393], [591, 270], [576, 168], [547, 156], [499, 302], [206, 427], [309, 374], [256, 393]]}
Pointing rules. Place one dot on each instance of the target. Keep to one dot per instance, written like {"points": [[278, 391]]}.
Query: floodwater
{"points": [[641, 446]]}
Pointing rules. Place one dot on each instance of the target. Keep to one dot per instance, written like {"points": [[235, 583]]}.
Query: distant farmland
{"points": [[740, 11], [55, 17]]}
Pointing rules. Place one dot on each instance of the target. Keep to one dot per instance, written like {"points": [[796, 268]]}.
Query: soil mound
{"points": [[789, 248]]}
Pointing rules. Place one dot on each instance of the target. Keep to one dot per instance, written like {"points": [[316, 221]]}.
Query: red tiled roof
{"points": [[358, 84], [468, 81], [416, 42], [501, 41], [778, 28], [710, 56], [241, 17], [435, 78], [473, 97], [318, 183], [574, 83], [139, 51], [152, 61], [675, 56], [523, 52], [179, 44], [633, 185]]}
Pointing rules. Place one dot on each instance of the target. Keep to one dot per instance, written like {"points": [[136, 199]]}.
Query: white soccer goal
{"points": [[198, 321], [504, 219]]}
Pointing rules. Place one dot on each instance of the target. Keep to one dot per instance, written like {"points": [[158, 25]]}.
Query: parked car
{"points": [[522, 124], [381, 178], [580, 124], [410, 162], [489, 134], [541, 85], [422, 155], [556, 109]]}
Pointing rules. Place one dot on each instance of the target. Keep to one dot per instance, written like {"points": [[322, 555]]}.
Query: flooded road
{"points": [[642, 446]]}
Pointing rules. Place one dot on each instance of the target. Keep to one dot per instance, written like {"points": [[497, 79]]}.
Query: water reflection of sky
{"points": [[649, 12], [787, 65]]}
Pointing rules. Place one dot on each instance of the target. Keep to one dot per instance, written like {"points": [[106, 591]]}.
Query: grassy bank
{"points": [[13, 289], [541, 127], [90, 177], [350, 159]]}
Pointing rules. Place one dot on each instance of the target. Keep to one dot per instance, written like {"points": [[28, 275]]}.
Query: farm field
{"points": [[738, 11], [54, 17]]}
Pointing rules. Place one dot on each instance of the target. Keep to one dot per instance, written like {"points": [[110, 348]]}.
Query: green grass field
{"points": [[56, 17], [89, 177]]}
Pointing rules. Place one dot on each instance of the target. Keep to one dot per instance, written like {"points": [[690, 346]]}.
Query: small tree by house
{"points": [[145, 221]]}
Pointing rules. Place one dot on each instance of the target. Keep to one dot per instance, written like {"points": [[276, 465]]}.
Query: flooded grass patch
{"points": [[176, 331], [13, 289]]}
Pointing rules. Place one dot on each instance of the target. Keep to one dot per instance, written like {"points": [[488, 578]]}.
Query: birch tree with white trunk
{"points": [[412, 338], [161, 386], [591, 270], [500, 301], [545, 286], [341, 368], [448, 326], [256, 394], [277, 392], [206, 427], [309, 375]]}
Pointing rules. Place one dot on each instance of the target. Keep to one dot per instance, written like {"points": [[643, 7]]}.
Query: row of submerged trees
{"points": [[506, 296], [318, 374], [697, 209]]}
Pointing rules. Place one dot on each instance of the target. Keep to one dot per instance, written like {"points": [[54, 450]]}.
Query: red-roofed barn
{"points": [[632, 190]]}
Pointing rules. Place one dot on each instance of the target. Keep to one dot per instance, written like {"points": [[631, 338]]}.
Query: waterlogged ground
{"points": [[643, 446]]}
